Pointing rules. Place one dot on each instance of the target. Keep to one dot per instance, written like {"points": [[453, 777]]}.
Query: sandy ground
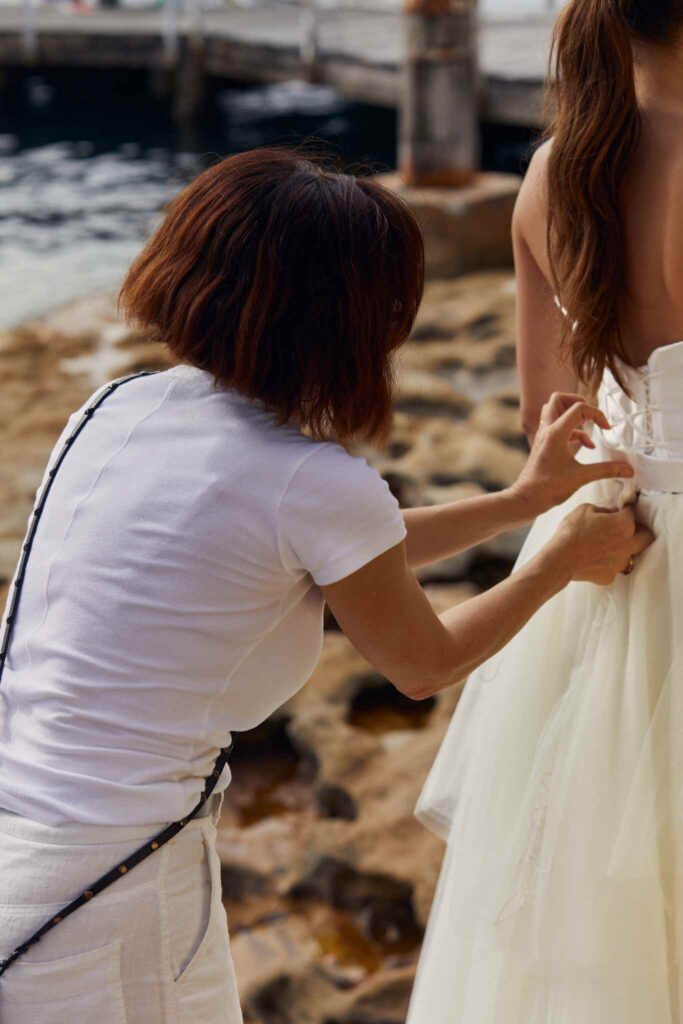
{"points": [[327, 876]]}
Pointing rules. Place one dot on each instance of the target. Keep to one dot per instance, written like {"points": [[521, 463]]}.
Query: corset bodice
{"points": [[647, 425]]}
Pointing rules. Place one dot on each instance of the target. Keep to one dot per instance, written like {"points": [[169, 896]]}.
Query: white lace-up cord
{"points": [[639, 419]]}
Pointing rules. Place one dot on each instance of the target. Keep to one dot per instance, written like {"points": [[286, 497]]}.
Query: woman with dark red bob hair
{"points": [[189, 528]]}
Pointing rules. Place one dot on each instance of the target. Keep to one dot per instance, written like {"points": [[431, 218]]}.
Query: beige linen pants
{"points": [[151, 949]]}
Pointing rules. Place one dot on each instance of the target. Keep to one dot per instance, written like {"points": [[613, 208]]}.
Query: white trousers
{"points": [[152, 948]]}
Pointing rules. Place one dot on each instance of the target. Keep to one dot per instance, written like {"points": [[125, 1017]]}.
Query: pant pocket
{"points": [[188, 899], [83, 987], [204, 985]]}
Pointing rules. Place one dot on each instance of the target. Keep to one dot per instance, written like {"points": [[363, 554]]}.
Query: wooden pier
{"points": [[359, 52]]}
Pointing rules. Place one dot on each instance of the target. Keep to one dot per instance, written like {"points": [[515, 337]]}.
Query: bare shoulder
{"points": [[531, 209]]}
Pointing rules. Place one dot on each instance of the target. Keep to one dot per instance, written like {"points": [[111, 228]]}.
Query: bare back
{"points": [[652, 314], [652, 311]]}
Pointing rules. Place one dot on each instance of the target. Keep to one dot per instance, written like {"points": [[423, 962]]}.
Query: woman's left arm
{"points": [[551, 475]]}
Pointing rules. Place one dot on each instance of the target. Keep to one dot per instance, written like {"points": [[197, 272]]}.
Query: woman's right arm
{"points": [[388, 618]]}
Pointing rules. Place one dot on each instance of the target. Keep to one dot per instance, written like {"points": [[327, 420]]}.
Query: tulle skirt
{"points": [[559, 792]]}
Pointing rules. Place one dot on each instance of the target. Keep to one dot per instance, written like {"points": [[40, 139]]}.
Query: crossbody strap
{"points": [[162, 837]]}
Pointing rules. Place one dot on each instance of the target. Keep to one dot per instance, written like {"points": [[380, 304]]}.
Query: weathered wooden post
{"points": [[161, 73], [169, 31], [190, 73], [439, 128], [309, 39], [29, 36]]}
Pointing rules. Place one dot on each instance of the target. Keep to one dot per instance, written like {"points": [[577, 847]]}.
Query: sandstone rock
{"points": [[283, 948], [382, 999], [422, 394], [464, 228]]}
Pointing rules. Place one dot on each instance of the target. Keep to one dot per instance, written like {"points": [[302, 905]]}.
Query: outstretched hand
{"points": [[552, 473]]}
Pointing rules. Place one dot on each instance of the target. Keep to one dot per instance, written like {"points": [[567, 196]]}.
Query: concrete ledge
{"points": [[465, 229]]}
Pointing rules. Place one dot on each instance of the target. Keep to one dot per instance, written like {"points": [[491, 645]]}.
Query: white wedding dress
{"points": [[559, 785]]}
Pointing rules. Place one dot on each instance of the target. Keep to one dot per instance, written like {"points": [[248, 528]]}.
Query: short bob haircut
{"points": [[288, 281]]}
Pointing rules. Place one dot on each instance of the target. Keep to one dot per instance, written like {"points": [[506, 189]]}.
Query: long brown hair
{"points": [[289, 281], [594, 133]]}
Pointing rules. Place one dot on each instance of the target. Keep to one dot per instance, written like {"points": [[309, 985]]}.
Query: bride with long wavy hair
{"points": [[559, 786]]}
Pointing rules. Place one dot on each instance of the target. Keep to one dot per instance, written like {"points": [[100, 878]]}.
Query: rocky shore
{"points": [[327, 876]]}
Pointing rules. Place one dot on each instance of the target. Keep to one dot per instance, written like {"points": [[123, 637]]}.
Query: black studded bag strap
{"points": [[175, 827]]}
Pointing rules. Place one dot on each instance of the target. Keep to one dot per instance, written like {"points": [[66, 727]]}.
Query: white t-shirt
{"points": [[170, 596]]}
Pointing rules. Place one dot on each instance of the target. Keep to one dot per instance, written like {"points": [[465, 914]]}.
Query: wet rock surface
{"points": [[327, 876]]}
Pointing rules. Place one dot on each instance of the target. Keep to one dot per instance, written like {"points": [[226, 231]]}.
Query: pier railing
{"points": [[191, 15], [423, 55], [173, 16]]}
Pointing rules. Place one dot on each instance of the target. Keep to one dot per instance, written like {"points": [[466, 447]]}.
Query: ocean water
{"points": [[88, 161], [87, 164]]}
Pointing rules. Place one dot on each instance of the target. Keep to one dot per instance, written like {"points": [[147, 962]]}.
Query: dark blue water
{"points": [[88, 160]]}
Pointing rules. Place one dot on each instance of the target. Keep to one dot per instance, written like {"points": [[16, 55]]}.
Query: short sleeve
{"points": [[336, 515]]}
